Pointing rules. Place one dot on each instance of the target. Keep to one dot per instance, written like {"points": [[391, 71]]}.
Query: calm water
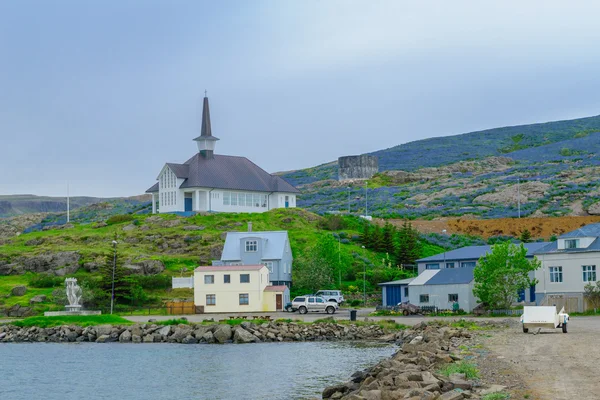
{"points": [[90, 371]]}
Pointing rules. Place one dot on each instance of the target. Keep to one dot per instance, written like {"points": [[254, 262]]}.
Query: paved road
{"points": [[555, 365]]}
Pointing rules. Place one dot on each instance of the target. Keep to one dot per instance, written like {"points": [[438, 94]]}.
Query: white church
{"points": [[213, 182]]}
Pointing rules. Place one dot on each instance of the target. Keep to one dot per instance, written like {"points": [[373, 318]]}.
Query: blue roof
{"points": [[399, 282], [591, 230], [553, 248], [452, 276], [476, 252], [274, 244]]}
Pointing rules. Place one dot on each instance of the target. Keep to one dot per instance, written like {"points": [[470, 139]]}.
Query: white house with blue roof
{"points": [[269, 248], [441, 288], [214, 182], [568, 264]]}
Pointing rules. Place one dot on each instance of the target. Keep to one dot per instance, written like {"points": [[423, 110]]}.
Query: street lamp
{"points": [[112, 294], [340, 260], [365, 282]]}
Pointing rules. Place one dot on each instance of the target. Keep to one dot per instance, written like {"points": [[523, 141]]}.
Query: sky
{"points": [[101, 94]]}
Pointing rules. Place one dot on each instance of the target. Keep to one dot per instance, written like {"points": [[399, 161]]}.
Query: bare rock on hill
{"points": [[64, 262], [146, 267], [509, 195], [594, 209], [18, 290]]}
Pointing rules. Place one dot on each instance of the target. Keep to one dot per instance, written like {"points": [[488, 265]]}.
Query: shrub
{"points": [[159, 281], [173, 322], [355, 303], [45, 281], [470, 370], [117, 219]]}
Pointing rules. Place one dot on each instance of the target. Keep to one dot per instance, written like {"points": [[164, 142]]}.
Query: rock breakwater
{"points": [[413, 372], [246, 332]]}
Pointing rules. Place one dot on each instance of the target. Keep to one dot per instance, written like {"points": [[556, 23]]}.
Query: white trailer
{"points": [[544, 317]]}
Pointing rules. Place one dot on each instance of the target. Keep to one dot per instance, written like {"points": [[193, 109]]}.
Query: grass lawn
{"points": [[83, 321]]}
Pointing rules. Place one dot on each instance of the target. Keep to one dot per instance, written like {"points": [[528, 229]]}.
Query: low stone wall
{"points": [[411, 372], [247, 332]]}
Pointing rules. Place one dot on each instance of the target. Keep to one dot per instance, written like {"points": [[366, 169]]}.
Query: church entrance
{"points": [[188, 202]]}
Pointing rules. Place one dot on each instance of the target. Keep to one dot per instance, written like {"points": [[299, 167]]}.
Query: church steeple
{"points": [[206, 141]]}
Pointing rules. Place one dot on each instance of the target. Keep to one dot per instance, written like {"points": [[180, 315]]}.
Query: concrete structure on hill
{"points": [[212, 182], [237, 288], [568, 264], [269, 248], [357, 167]]}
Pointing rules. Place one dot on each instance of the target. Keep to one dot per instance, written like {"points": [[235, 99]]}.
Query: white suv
{"points": [[331, 295], [305, 304]]}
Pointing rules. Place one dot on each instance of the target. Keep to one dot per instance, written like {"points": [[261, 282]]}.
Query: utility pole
{"points": [[366, 199], [112, 294], [68, 205], [340, 260], [364, 282], [519, 196]]}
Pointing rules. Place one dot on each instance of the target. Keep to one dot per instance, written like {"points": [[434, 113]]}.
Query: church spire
{"points": [[206, 141]]}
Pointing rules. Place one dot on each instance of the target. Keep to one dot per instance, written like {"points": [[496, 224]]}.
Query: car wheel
{"points": [[405, 313], [303, 310], [564, 326], [330, 310]]}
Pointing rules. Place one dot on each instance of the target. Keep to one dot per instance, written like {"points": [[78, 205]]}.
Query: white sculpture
{"points": [[74, 294]]}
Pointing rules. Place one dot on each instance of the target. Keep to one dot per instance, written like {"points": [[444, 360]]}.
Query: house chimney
{"points": [[250, 226]]}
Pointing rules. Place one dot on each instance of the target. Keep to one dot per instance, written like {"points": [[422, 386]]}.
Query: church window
{"points": [[248, 199], [256, 200], [234, 199], [264, 201], [226, 197]]}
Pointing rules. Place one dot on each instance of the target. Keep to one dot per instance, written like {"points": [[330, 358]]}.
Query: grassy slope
{"points": [[193, 247]]}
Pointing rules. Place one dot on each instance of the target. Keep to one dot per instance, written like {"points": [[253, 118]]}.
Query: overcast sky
{"points": [[103, 93]]}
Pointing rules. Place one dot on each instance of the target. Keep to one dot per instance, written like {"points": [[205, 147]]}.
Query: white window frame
{"points": [[462, 264], [226, 198], [555, 274], [421, 296], [214, 300], [452, 294], [589, 273], [211, 277], [249, 245], [429, 266], [269, 265], [574, 242], [248, 275]]}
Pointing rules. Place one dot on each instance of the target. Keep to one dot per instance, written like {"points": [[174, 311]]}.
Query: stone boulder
{"points": [[128, 228], [193, 228], [103, 339], [243, 336], [40, 298], [146, 267], [223, 333], [125, 337], [594, 209], [18, 290]]}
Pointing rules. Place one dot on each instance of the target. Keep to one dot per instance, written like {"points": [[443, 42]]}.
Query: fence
{"points": [[508, 312], [180, 307], [569, 302]]}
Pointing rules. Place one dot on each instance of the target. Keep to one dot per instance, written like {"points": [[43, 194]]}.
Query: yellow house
{"points": [[237, 288]]}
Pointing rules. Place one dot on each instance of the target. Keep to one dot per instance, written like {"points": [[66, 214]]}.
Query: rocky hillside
{"points": [[552, 168], [12, 205]]}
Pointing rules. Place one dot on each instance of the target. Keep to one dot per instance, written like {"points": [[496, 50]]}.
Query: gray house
{"points": [[441, 288], [271, 249], [568, 264], [467, 257]]}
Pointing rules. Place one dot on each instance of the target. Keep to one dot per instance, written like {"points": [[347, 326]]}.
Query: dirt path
{"points": [[554, 365]]}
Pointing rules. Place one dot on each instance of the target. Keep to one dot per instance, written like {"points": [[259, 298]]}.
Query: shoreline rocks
{"points": [[412, 373], [246, 332]]}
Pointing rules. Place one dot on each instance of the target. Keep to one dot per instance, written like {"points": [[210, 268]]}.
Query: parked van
{"points": [[331, 295]]}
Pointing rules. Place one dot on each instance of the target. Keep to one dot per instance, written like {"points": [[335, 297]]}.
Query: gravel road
{"points": [[554, 365]]}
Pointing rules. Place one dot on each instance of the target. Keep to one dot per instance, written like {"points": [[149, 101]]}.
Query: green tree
{"points": [[377, 242], [365, 236], [525, 236], [122, 282], [320, 266], [500, 274], [592, 294], [389, 233], [408, 247]]}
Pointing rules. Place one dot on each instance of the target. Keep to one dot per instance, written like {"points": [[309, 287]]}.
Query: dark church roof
{"points": [[209, 170]]}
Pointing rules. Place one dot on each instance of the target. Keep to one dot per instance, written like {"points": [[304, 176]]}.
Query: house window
{"points": [[589, 273], [251, 246], [424, 298], [248, 199], [226, 198], [226, 278], [556, 275], [269, 265], [453, 298], [450, 265], [264, 201], [209, 279], [245, 278], [468, 264], [234, 199], [244, 299], [211, 299], [256, 200], [571, 243], [432, 266], [406, 291]]}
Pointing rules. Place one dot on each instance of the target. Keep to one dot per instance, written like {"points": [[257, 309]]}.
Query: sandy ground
{"points": [[553, 365]]}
